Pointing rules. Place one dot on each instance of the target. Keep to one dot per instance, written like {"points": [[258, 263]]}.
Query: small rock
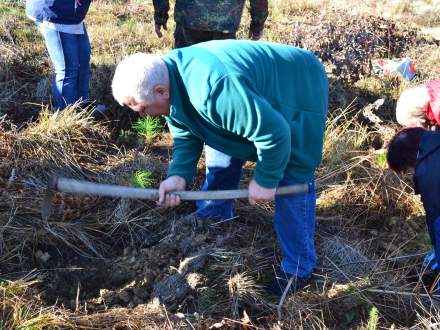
{"points": [[394, 220], [38, 254], [154, 306], [200, 238], [219, 240], [125, 296], [374, 232], [195, 280], [171, 289], [137, 301], [141, 293], [43, 256], [91, 308], [105, 295], [193, 262]]}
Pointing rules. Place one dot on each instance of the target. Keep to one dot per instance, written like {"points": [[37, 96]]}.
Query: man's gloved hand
{"points": [[157, 29], [258, 194], [166, 189]]}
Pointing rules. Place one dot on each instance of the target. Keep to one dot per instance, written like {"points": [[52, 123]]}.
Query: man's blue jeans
{"points": [[70, 55], [294, 218]]}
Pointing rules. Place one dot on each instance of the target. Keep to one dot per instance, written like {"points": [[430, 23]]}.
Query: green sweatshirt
{"points": [[257, 101]]}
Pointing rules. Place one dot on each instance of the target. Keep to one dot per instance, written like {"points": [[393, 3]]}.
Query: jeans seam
{"points": [[60, 92]]}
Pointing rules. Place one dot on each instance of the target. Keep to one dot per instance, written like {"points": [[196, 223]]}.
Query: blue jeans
{"points": [[436, 228], [294, 218], [220, 175], [70, 55], [294, 223]]}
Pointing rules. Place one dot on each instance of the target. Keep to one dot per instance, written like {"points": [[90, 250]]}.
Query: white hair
{"points": [[410, 109], [136, 75]]}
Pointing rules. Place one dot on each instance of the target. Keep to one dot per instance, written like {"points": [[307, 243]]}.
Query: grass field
{"points": [[100, 263]]}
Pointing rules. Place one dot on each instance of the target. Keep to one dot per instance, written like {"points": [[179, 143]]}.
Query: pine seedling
{"points": [[142, 179], [148, 127]]}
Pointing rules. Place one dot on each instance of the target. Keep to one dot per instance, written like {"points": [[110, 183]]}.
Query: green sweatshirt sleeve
{"points": [[238, 109], [186, 152]]}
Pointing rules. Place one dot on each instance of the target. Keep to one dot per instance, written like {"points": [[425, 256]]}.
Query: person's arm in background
{"points": [[259, 11], [161, 8]]}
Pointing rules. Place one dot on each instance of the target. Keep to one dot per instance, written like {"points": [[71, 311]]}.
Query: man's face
{"points": [[156, 105]]}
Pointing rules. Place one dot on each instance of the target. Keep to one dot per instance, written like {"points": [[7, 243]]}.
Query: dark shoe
{"points": [[279, 284], [98, 111]]}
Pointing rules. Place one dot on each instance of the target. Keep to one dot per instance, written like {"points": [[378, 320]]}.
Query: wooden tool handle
{"points": [[98, 189]]}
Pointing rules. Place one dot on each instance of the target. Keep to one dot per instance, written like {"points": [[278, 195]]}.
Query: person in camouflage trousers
{"points": [[204, 20]]}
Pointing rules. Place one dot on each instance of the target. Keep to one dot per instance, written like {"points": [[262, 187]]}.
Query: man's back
{"points": [[277, 72], [231, 94]]}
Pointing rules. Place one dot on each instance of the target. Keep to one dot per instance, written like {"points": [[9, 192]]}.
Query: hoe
{"points": [[107, 190]]}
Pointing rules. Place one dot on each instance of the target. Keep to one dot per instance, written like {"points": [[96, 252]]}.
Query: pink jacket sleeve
{"points": [[433, 107]]}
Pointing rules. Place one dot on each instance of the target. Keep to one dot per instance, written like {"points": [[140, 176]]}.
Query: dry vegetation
{"points": [[99, 263]]}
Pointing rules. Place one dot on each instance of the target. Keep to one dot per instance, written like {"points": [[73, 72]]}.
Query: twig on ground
{"points": [[283, 298]]}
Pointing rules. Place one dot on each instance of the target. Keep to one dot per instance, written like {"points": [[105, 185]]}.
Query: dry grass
{"points": [[67, 139], [418, 13], [20, 308], [370, 233], [18, 311]]}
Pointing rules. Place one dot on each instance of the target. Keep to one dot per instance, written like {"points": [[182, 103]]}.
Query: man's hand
{"points": [[255, 36], [171, 184], [258, 194], [157, 27]]}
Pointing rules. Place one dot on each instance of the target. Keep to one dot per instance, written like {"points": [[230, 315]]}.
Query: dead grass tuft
{"points": [[68, 139], [19, 311]]}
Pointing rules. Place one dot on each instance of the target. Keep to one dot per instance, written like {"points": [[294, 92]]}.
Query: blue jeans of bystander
{"points": [[70, 55]]}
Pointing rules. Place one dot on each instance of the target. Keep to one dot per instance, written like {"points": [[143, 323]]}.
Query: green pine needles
{"points": [[142, 179], [148, 127]]}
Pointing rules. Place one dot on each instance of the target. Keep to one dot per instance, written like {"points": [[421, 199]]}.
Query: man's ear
{"points": [[162, 90]]}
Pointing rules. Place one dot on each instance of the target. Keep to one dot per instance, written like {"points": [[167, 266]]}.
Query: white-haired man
{"points": [[257, 101], [419, 106]]}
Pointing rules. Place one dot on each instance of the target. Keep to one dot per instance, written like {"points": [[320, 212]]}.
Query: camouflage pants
{"points": [[184, 37]]}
